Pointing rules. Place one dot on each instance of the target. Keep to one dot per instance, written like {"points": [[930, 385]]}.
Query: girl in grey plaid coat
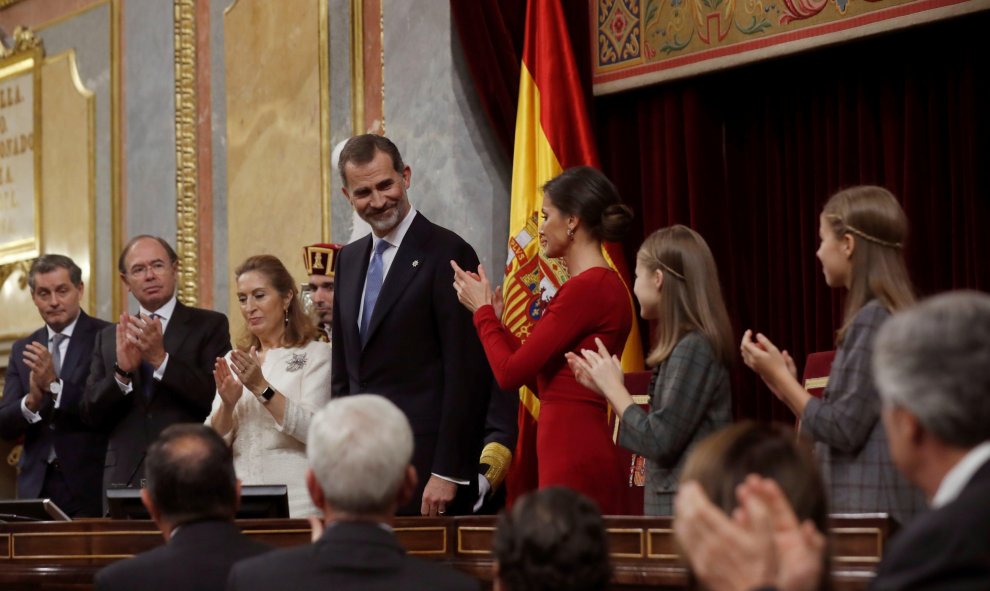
{"points": [[676, 285], [862, 231]]}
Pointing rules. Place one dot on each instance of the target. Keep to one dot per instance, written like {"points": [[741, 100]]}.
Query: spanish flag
{"points": [[553, 133]]}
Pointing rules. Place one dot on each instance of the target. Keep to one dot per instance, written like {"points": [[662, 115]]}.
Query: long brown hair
{"points": [[720, 462], [299, 329], [875, 219], [692, 296]]}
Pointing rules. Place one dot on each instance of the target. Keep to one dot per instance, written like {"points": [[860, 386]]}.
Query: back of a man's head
{"points": [[552, 539], [359, 449], [934, 361], [190, 474]]}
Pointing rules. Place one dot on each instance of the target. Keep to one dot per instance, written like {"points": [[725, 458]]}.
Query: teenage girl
{"points": [[862, 232], [676, 285]]}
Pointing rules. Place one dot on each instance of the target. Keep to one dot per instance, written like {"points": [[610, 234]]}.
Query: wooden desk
{"points": [[66, 555]]}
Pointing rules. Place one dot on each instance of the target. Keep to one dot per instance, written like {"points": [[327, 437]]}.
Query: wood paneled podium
{"points": [[65, 555]]}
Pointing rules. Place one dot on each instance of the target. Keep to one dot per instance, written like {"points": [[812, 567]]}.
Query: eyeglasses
{"points": [[157, 268]]}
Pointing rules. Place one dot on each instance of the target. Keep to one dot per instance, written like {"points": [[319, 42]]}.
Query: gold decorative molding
{"points": [[6, 271], [6, 3], [325, 152], [24, 41], [186, 166], [357, 67]]}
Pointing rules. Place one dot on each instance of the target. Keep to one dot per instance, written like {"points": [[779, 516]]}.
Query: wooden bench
{"points": [[66, 555]]}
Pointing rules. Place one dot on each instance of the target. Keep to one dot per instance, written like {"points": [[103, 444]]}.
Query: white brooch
{"points": [[416, 263], [296, 362]]}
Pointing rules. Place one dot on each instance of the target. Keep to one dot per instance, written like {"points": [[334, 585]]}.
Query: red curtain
{"points": [[748, 156]]}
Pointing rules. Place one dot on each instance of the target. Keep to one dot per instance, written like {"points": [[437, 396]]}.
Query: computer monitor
{"points": [[18, 510], [258, 501]]}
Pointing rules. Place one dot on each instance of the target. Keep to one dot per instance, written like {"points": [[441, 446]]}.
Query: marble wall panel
{"points": [[149, 91], [88, 34], [274, 197], [460, 178]]}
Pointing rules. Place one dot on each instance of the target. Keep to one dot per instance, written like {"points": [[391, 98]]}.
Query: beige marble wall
{"points": [[275, 168]]}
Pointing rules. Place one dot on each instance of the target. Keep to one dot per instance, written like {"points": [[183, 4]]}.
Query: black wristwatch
{"points": [[266, 395], [124, 374]]}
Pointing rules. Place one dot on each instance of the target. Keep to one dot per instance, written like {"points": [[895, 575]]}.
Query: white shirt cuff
{"points": [[58, 397], [160, 370], [125, 388], [29, 415], [449, 479]]}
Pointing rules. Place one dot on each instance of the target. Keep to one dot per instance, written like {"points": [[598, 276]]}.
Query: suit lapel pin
{"points": [[416, 263]]}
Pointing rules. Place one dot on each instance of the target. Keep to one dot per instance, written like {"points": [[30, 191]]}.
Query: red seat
{"points": [[816, 369]]}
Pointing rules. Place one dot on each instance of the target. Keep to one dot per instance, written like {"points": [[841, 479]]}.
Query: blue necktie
{"points": [[373, 286]]}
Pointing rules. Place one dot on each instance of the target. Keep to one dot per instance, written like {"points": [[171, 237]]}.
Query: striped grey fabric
{"points": [[850, 441]]}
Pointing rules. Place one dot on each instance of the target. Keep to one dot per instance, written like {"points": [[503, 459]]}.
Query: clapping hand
{"points": [[473, 289], [247, 368], [762, 356], [599, 370], [228, 386]]}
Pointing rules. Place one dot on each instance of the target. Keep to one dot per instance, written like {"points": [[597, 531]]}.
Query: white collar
{"points": [[958, 477], [398, 232], [67, 331], [165, 312]]}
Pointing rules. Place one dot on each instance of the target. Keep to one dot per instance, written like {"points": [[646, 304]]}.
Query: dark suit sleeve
{"points": [[102, 401], [467, 376], [12, 421], [339, 378], [192, 379]]}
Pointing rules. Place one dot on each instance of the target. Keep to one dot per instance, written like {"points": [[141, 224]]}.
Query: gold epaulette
{"points": [[498, 458]]}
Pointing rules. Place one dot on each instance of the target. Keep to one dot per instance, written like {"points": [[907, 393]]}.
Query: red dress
{"points": [[573, 444]]}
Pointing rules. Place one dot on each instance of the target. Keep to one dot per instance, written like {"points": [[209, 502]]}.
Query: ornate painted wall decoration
{"points": [[642, 42]]}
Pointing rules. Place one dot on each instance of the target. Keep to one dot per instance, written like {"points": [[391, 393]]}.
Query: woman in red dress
{"points": [[574, 448]]}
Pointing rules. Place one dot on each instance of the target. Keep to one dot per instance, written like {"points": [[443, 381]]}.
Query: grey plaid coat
{"points": [[690, 399], [850, 441]]}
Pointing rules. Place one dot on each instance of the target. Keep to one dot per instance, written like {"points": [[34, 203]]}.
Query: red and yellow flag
{"points": [[553, 133]]}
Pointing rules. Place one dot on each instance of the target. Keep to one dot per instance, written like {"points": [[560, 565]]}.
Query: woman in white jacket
{"points": [[270, 386]]}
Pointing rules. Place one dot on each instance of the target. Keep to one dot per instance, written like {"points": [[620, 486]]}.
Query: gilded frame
{"points": [[26, 58]]}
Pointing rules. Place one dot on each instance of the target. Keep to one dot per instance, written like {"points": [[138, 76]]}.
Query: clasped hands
{"points": [[474, 290], [244, 369], [38, 359], [139, 339], [762, 544], [598, 371], [774, 366]]}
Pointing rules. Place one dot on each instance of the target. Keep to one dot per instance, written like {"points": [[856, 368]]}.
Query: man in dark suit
{"points": [[399, 331], [359, 448], [62, 457], [152, 369], [192, 495], [930, 366], [932, 371]]}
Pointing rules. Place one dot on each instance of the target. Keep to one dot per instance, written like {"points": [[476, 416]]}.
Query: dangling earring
{"points": [[287, 317], [570, 233]]}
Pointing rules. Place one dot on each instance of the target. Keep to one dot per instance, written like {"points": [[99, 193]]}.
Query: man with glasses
{"points": [[153, 368]]}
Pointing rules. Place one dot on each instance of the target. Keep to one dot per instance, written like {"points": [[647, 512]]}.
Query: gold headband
{"points": [[872, 239], [671, 271]]}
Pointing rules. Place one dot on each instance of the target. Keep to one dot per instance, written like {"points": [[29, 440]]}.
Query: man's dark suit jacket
{"points": [[79, 448], [193, 340], [197, 558], [422, 351], [948, 548], [350, 555]]}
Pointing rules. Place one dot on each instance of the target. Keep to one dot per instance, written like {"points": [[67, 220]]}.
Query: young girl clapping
{"points": [[862, 232], [676, 285]]}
